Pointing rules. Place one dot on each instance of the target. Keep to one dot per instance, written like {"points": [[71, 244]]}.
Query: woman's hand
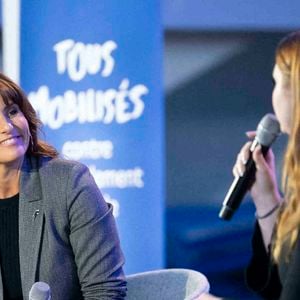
{"points": [[264, 191]]}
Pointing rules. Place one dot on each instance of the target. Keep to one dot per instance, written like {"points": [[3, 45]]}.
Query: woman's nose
{"points": [[5, 125]]}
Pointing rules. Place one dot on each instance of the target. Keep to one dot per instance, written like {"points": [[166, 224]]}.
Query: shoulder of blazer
{"points": [[46, 172], [45, 164]]}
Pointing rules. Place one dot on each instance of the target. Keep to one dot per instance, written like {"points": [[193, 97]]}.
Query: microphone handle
{"points": [[240, 186]]}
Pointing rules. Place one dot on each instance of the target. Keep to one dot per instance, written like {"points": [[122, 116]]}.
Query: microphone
{"points": [[40, 291], [267, 131]]}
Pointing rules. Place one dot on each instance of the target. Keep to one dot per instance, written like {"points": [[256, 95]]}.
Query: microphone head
{"points": [[40, 291], [268, 130]]}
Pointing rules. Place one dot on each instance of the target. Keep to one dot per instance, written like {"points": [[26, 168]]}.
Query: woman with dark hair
{"points": [[55, 226]]}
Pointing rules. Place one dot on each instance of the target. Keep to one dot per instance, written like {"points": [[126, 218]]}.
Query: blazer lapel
{"points": [[31, 222]]}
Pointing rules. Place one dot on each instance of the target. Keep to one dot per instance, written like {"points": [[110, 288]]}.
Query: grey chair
{"points": [[167, 284]]}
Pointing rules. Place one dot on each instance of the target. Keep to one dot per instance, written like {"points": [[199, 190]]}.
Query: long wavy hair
{"points": [[11, 92], [288, 60]]}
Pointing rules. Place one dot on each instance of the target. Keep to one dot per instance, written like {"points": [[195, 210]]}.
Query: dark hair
{"points": [[11, 92]]}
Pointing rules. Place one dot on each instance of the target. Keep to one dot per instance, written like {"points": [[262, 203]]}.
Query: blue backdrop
{"points": [[232, 15], [92, 70]]}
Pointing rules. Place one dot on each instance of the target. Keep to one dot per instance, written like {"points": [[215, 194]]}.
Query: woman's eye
{"points": [[13, 111]]}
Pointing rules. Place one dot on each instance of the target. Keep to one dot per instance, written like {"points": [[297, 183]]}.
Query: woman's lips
{"points": [[10, 141]]}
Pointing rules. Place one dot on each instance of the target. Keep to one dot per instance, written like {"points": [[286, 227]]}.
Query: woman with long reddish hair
{"points": [[274, 269]]}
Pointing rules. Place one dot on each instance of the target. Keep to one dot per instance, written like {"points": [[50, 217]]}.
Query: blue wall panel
{"points": [[92, 70]]}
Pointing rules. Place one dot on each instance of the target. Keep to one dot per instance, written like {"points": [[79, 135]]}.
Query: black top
{"points": [[270, 280], [9, 248]]}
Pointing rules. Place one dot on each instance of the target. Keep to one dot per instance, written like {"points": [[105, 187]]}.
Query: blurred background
{"points": [[226, 91], [217, 63]]}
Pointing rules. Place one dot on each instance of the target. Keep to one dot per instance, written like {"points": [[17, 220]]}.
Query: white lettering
{"points": [[79, 59], [61, 49], [120, 106], [91, 149], [108, 48], [130, 178], [76, 64]]}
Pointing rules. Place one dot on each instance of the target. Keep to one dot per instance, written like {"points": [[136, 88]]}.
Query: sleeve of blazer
{"points": [[94, 238], [261, 274]]}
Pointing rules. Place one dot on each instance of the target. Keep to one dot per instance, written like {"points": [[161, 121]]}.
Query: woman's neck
{"points": [[9, 182]]}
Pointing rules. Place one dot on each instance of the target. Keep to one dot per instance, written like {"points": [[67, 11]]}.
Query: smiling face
{"points": [[14, 134], [282, 100]]}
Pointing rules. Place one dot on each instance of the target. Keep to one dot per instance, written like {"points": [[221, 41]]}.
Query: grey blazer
{"points": [[67, 234]]}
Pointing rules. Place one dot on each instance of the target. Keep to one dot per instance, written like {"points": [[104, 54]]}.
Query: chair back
{"points": [[166, 284]]}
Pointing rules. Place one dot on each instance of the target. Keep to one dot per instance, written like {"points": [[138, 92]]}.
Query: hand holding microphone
{"points": [[252, 155], [265, 187]]}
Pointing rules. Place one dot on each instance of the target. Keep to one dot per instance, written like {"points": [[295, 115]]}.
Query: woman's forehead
{"points": [[6, 101]]}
